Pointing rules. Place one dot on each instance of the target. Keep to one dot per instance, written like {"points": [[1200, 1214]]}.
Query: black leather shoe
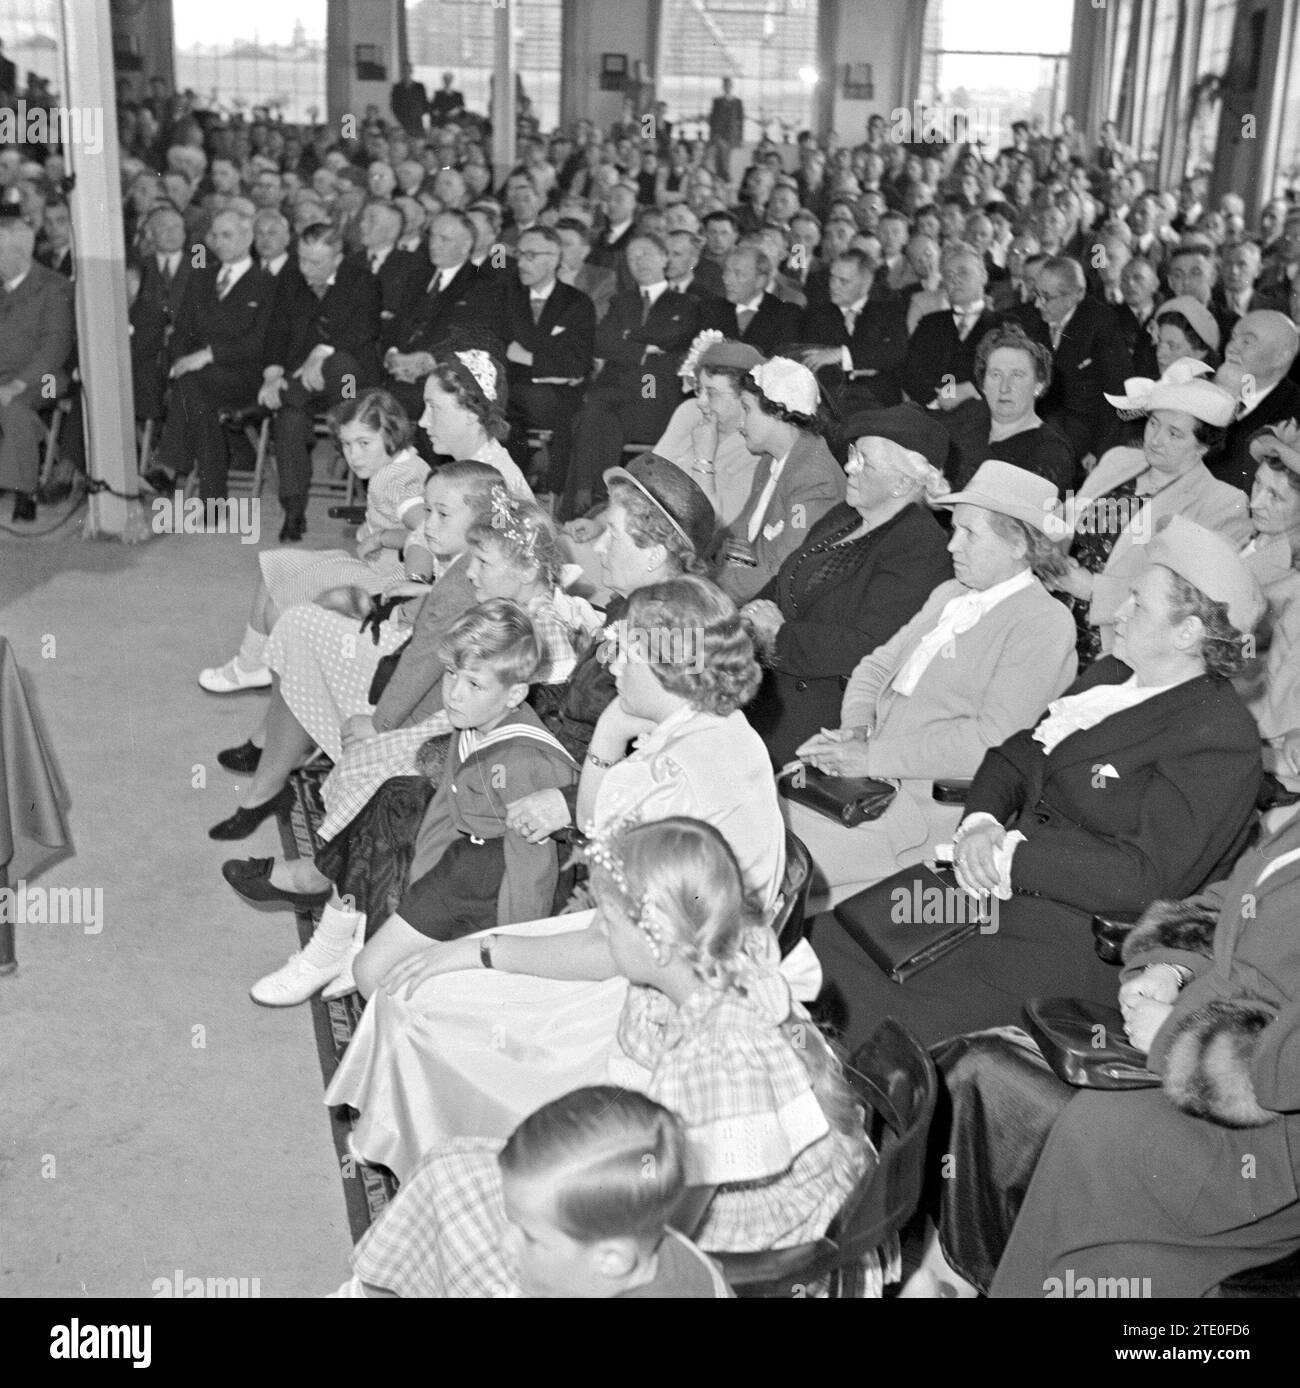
{"points": [[24, 506], [163, 483], [251, 878], [295, 520], [243, 760], [243, 822]]}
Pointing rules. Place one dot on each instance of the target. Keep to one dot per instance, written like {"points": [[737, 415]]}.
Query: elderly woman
{"points": [[797, 480], [981, 659], [1131, 490], [424, 1068], [703, 437], [1053, 1181], [1184, 327], [865, 569], [1137, 784], [1012, 373]]}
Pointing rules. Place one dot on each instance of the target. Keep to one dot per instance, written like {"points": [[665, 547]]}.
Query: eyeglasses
{"points": [[1042, 297]]}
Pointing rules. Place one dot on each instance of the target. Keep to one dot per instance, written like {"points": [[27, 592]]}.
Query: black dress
{"points": [[1091, 550]]}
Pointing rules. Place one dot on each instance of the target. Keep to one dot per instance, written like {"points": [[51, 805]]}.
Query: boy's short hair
{"points": [[497, 633], [614, 1159], [473, 480]]}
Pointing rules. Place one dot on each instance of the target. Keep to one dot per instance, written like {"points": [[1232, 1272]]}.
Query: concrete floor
{"points": [[152, 1118]]}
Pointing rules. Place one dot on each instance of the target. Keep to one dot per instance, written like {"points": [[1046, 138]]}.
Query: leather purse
{"points": [[849, 800], [1084, 1043], [1108, 935], [910, 920]]}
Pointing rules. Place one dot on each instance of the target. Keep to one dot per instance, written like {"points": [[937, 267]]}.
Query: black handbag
{"points": [[910, 920], [849, 800], [1085, 1044]]}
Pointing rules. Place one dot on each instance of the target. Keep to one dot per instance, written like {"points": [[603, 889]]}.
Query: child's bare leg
{"points": [[285, 747]]}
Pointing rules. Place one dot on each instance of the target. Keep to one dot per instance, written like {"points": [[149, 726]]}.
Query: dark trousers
{"points": [[541, 407], [607, 422], [194, 432], [21, 432], [410, 396], [294, 432]]}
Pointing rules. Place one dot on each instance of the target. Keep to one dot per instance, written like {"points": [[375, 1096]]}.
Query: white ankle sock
{"points": [[252, 650], [332, 936]]}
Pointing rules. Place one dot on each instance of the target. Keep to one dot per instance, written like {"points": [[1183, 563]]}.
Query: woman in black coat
{"points": [[1139, 783], [864, 571]]}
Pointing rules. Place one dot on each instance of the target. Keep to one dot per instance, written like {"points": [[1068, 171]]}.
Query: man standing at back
{"points": [[726, 128]]}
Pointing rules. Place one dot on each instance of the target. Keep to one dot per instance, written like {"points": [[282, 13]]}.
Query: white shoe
{"points": [[230, 678], [297, 981], [344, 983]]}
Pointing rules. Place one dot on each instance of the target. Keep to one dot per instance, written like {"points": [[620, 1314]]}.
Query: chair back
{"points": [[791, 915], [894, 1078]]}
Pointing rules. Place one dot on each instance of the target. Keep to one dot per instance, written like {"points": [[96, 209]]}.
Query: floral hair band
{"points": [[481, 367]]}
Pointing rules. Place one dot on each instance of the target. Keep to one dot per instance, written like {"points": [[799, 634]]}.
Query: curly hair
{"points": [[498, 634], [524, 533], [377, 410], [809, 423], [1224, 649], [455, 380], [1012, 335], [691, 635], [647, 525], [1044, 555], [678, 881]]}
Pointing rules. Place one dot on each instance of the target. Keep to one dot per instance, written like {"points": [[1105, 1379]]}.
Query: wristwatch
{"points": [[485, 950]]}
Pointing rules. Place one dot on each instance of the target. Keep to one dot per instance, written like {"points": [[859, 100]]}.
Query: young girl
{"points": [[483, 874], [587, 1185], [374, 436], [775, 1139]]}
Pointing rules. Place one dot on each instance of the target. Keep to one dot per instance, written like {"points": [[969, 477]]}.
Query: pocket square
{"points": [[770, 532], [557, 330], [1107, 771], [1084, 364]]}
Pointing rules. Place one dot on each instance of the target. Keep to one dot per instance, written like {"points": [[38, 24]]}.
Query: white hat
{"points": [[1200, 318], [789, 384], [1211, 565], [1180, 388], [1012, 491]]}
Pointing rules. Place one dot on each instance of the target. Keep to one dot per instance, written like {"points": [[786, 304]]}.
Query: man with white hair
{"points": [[36, 338], [1263, 346], [217, 352]]}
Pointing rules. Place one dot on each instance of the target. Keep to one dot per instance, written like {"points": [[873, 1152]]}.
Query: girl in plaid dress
{"points": [[374, 436], [775, 1139]]}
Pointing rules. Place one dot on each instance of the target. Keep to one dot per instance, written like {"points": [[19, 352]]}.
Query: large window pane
{"points": [[767, 47], [237, 54]]}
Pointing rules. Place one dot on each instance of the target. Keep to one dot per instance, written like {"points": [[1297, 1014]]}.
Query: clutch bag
{"points": [[1085, 1044], [849, 800], [910, 920]]}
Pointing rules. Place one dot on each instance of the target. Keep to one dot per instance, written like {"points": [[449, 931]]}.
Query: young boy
{"points": [[577, 1201], [483, 874]]}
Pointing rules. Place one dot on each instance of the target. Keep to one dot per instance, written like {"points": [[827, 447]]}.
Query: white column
{"points": [[503, 89], [103, 330]]}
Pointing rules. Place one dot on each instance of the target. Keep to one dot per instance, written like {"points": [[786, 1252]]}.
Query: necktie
{"points": [[1056, 336], [375, 263], [965, 320], [646, 305], [744, 317], [223, 282], [538, 307], [320, 290], [850, 320], [165, 269]]}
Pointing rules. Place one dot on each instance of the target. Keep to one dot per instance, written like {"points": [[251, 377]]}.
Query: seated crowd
{"points": [[910, 469]]}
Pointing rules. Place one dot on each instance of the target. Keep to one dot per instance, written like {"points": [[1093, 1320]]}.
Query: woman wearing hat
{"points": [[797, 480], [865, 568], [1131, 490], [1184, 327], [1139, 783], [703, 436], [980, 660], [465, 415], [1270, 683]]}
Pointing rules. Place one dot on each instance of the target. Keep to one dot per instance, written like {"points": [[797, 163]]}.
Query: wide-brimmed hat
{"points": [[1180, 388], [671, 491], [1210, 564], [1280, 442], [1200, 318], [909, 426], [1012, 491]]}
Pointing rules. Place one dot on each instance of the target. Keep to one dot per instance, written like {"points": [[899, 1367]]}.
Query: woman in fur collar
{"points": [[1179, 1186]]}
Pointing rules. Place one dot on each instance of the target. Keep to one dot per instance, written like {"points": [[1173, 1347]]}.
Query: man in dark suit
{"points": [[1139, 285], [55, 248], [395, 271], [324, 346], [852, 335], [1260, 353], [1089, 358], [217, 352], [1192, 271], [452, 295], [609, 247], [595, 281], [1236, 291], [409, 102], [748, 313], [939, 367], [36, 339], [551, 329], [447, 101], [642, 341], [684, 270], [164, 273], [726, 128]]}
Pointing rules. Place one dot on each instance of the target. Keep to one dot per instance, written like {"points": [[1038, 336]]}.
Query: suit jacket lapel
{"points": [[1129, 726]]}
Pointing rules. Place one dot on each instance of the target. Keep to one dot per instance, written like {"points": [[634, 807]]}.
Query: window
{"points": [[244, 53], [457, 36], [1011, 68], [767, 47], [31, 33]]}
